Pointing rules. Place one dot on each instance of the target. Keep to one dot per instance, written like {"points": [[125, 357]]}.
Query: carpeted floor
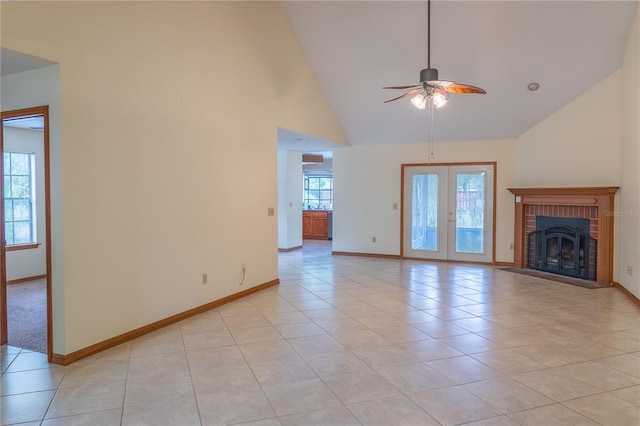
{"points": [[27, 315], [556, 277]]}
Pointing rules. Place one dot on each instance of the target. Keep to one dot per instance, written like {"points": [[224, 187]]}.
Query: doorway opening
{"points": [[448, 212], [25, 252]]}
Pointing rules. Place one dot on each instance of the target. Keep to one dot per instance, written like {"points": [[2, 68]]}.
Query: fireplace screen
{"points": [[562, 246]]}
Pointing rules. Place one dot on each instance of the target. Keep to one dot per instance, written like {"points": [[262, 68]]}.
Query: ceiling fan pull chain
{"points": [[431, 128]]}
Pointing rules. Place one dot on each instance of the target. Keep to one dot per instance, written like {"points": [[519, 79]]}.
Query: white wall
{"points": [[579, 145], [628, 253], [289, 199], [37, 88], [30, 262], [168, 171], [325, 167], [367, 184]]}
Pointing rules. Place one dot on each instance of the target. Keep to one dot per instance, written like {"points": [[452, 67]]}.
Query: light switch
{"points": [[270, 211]]}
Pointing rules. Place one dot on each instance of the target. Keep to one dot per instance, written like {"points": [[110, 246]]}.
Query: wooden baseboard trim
{"points": [[395, 256], [461, 262], [285, 250], [133, 334], [26, 279], [348, 253], [627, 293], [57, 359]]}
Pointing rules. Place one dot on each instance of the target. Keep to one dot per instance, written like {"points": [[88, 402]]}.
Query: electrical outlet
{"points": [[204, 278], [373, 239], [629, 270], [395, 206]]}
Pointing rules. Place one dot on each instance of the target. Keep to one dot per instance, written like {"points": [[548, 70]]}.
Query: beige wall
{"points": [[628, 253], [579, 145], [367, 184], [602, 126], [168, 133], [167, 154]]}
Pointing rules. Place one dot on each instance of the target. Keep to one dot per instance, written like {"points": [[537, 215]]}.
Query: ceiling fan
{"points": [[431, 89]]}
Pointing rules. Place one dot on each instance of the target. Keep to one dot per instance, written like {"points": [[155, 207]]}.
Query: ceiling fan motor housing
{"points": [[428, 74]]}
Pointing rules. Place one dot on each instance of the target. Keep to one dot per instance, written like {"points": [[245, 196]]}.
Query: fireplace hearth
{"points": [[574, 249], [562, 245]]}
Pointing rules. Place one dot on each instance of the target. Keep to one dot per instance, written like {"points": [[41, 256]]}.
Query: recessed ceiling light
{"points": [[533, 87]]}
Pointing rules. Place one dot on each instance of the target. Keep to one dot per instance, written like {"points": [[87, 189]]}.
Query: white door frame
{"points": [[491, 213], [26, 112]]}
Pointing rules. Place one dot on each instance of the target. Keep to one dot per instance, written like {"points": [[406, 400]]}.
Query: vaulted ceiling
{"points": [[357, 47]]}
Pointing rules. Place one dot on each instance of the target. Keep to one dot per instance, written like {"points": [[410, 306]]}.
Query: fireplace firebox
{"points": [[562, 245], [594, 203]]}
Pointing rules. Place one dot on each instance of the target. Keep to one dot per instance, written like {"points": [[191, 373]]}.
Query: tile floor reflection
{"points": [[359, 341]]}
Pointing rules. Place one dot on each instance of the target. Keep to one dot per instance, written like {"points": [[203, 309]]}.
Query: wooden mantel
{"points": [[600, 197]]}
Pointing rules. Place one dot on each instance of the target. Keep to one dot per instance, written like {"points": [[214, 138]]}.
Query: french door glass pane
{"points": [[470, 211], [424, 214]]}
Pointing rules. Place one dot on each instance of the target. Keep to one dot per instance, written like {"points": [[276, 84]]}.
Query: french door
{"points": [[448, 212]]}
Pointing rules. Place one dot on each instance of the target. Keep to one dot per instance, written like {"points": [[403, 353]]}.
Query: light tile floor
{"points": [[359, 341]]}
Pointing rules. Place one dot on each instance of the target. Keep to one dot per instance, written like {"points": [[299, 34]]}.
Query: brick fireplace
{"points": [[590, 207]]}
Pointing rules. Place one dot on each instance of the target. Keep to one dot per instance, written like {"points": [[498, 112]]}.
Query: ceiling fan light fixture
{"points": [[419, 101], [440, 97], [431, 88]]}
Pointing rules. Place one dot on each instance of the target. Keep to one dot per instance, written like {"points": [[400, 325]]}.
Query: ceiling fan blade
{"points": [[410, 92], [440, 83], [403, 87], [463, 88]]}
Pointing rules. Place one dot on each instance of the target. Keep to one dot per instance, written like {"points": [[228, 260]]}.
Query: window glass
{"points": [[19, 196], [318, 192]]}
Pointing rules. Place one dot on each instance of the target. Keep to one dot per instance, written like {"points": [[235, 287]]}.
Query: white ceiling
{"points": [[357, 47], [27, 123], [288, 140], [12, 62]]}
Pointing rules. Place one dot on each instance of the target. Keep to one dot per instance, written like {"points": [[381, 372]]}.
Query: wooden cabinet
{"points": [[315, 225], [319, 228], [306, 225]]}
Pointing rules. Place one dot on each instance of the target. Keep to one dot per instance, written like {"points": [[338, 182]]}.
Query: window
{"points": [[318, 192], [19, 198]]}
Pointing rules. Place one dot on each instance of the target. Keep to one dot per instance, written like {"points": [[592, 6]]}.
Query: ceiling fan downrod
{"points": [[428, 37], [428, 74]]}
